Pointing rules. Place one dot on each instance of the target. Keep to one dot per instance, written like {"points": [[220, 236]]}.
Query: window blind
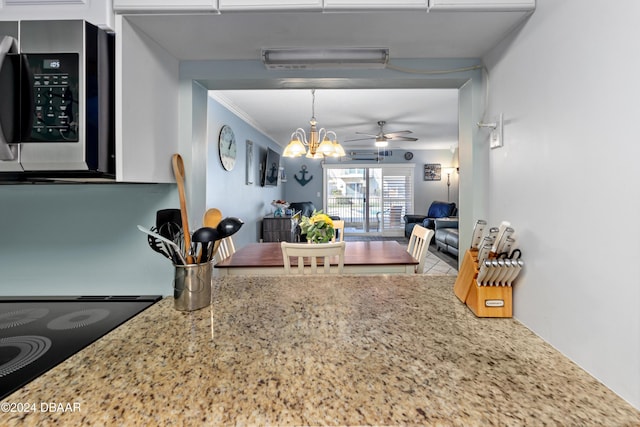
{"points": [[397, 197]]}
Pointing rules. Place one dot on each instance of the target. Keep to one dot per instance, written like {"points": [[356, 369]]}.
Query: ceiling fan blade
{"points": [[367, 134], [400, 132], [402, 138], [360, 139]]}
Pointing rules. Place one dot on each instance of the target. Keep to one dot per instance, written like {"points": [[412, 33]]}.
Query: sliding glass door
{"points": [[371, 199]]}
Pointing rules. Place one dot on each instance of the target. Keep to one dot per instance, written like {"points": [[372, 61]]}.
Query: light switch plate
{"points": [[495, 138]]}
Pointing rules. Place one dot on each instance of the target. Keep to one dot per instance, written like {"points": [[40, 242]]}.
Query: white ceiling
{"points": [[431, 114], [409, 34]]}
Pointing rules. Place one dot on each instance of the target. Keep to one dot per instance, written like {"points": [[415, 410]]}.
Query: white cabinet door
{"points": [[98, 12], [164, 5], [228, 5], [147, 107], [376, 4], [483, 5]]}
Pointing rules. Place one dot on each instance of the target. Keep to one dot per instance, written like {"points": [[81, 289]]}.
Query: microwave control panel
{"points": [[52, 82]]}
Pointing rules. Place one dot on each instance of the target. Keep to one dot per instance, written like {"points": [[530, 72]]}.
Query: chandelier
{"points": [[319, 143]]}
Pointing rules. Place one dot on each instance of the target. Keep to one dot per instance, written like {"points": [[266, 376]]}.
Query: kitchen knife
{"points": [[484, 269], [493, 272], [503, 267], [508, 231], [493, 233], [513, 272], [485, 249], [478, 230], [501, 229], [507, 246]]}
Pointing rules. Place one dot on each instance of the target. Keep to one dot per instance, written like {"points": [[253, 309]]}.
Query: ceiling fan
{"points": [[382, 138]]}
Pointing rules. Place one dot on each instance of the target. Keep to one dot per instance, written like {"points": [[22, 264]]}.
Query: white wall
{"points": [[147, 93], [567, 84]]}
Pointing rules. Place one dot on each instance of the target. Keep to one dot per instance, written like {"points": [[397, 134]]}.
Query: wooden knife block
{"points": [[484, 301]]}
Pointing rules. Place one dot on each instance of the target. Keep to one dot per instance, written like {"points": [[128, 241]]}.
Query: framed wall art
{"points": [[432, 172], [250, 167]]}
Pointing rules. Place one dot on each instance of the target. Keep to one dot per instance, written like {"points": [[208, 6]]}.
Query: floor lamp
{"points": [[449, 171]]}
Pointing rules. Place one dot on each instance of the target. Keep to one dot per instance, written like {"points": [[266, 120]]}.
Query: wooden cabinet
{"points": [[228, 5], [278, 229], [376, 4], [483, 5], [164, 5]]}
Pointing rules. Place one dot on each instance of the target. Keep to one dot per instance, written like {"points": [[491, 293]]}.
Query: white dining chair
{"points": [[226, 248], [338, 225], [327, 251], [419, 245]]}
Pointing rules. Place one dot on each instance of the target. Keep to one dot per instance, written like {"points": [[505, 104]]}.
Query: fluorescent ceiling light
{"points": [[303, 58]]}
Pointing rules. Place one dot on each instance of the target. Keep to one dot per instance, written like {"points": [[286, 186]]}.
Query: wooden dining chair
{"points": [[419, 245], [226, 248], [338, 225], [326, 251]]}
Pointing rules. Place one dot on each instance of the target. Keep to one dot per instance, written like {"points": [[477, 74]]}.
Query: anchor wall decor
{"points": [[303, 180]]}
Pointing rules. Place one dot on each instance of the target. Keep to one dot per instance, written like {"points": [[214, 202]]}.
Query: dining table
{"points": [[360, 257]]}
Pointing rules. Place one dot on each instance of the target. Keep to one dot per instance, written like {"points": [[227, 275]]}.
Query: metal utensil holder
{"points": [[192, 286]]}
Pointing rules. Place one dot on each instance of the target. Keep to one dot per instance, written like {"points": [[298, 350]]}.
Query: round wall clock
{"points": [[227, 147], [408, 155]]}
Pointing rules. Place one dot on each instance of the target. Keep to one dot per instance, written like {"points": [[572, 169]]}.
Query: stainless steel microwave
{"points": [[57, 103]]}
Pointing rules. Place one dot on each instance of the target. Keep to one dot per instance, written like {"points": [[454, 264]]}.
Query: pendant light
{"points": [[319, 143]]}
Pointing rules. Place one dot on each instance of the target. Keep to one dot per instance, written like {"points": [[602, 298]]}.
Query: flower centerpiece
{"points": [[318, 228]]}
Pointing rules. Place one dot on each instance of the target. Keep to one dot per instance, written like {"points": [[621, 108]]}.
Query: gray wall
{"points": [[425, 191], [228, 190]]}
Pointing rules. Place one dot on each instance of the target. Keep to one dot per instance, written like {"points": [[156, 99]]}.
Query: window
{"points": [[371, 199]]}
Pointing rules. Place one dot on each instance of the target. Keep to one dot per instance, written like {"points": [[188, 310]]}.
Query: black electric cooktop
{"points": [[37, 333]]}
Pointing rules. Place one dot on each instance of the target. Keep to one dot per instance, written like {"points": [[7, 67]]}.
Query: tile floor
{"points": [[434, 266]]}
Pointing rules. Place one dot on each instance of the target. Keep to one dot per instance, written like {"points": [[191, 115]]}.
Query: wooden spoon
{"points": [[178, 171], [212, 218]]}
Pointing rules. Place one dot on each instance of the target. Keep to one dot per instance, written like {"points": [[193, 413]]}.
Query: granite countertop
{"points": [[345, 350]]}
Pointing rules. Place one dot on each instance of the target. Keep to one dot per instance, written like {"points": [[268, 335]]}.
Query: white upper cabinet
{"points": [[164, 5], [98, 12], [376, 4], [482, 5], [231, 5]]}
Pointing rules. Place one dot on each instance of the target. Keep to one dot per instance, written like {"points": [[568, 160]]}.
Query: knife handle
{"points": [[478, 229], [505, 235], [484, 251], [482, 273]]}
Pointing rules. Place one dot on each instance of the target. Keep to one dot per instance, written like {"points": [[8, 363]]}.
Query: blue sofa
{"points": [[446, 236], [436, 210]]}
